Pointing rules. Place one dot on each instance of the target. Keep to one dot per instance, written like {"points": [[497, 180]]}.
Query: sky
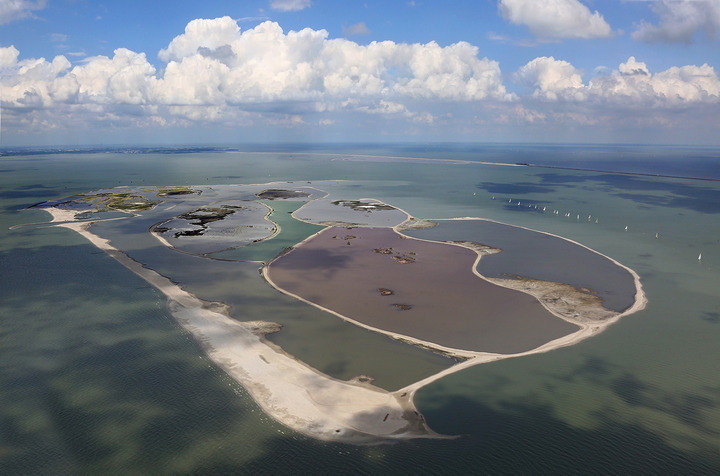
{"points": [[80, 72]]}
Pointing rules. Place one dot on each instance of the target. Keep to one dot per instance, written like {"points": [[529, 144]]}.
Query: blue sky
{"points": [[73, 71]]}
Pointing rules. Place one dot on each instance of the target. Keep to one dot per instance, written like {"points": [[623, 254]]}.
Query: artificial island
{"points": [[449, 293]]}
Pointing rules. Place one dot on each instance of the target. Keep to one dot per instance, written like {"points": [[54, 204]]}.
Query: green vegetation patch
{"points": [[363, 206], [172, 191], [124, 201], [201, 217], [273, 193]]}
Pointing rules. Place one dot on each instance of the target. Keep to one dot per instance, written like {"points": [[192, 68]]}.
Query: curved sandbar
{"points": [[541, 256], [422, 290], [293, 393]]}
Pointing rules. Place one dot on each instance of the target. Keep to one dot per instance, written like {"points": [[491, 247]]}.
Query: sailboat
{"points": [[700, 257], [626, 228], [657, 235]]}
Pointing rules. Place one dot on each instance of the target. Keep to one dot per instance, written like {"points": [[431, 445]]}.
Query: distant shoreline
{"points": [[342, 150]]}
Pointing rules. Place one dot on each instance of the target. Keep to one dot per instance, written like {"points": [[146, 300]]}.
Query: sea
{"points": [[96, 376]]}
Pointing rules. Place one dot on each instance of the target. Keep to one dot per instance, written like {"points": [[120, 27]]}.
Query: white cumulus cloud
{"points": [[678, 85], [266, 64], [201, 33], [213, 70], [555, 18], [680, 21], [552, 79], [8, 57], [631, 83]]}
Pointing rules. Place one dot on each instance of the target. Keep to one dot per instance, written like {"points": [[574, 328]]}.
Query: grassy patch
{"points": [[172, 191], [124, 201]]}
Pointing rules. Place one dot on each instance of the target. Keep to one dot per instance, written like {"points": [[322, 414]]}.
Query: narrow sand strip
{"points": [[586, 331], [289, 391], [396, 157], [565, 341]]}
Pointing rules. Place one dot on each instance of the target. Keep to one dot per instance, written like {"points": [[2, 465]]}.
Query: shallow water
{"points": [[244, 225], [332, 210], [96, 376], [291, 232]]}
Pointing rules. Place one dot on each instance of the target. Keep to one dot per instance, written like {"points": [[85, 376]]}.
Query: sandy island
{"points": [[303, 398]]}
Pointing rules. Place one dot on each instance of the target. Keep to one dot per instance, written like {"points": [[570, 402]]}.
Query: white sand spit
{"points": [[291, 392]]}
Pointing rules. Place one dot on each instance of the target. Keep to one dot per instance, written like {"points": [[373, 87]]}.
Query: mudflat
{"points": [[422, 290]]}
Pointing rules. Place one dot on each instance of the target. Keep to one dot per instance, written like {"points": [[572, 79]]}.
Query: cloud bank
{"points": [[631, 83], [214, 66], [216, 75]]}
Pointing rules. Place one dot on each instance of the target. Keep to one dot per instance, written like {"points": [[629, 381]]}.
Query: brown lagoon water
{"points": [[447, 304], [95, 375], [535, 255]]}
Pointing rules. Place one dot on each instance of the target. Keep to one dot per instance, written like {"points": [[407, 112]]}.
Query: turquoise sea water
{"points": [[95, 375]]}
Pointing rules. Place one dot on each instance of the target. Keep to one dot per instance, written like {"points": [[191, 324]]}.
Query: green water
{"points": [[95, 375], [290, 232]]}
